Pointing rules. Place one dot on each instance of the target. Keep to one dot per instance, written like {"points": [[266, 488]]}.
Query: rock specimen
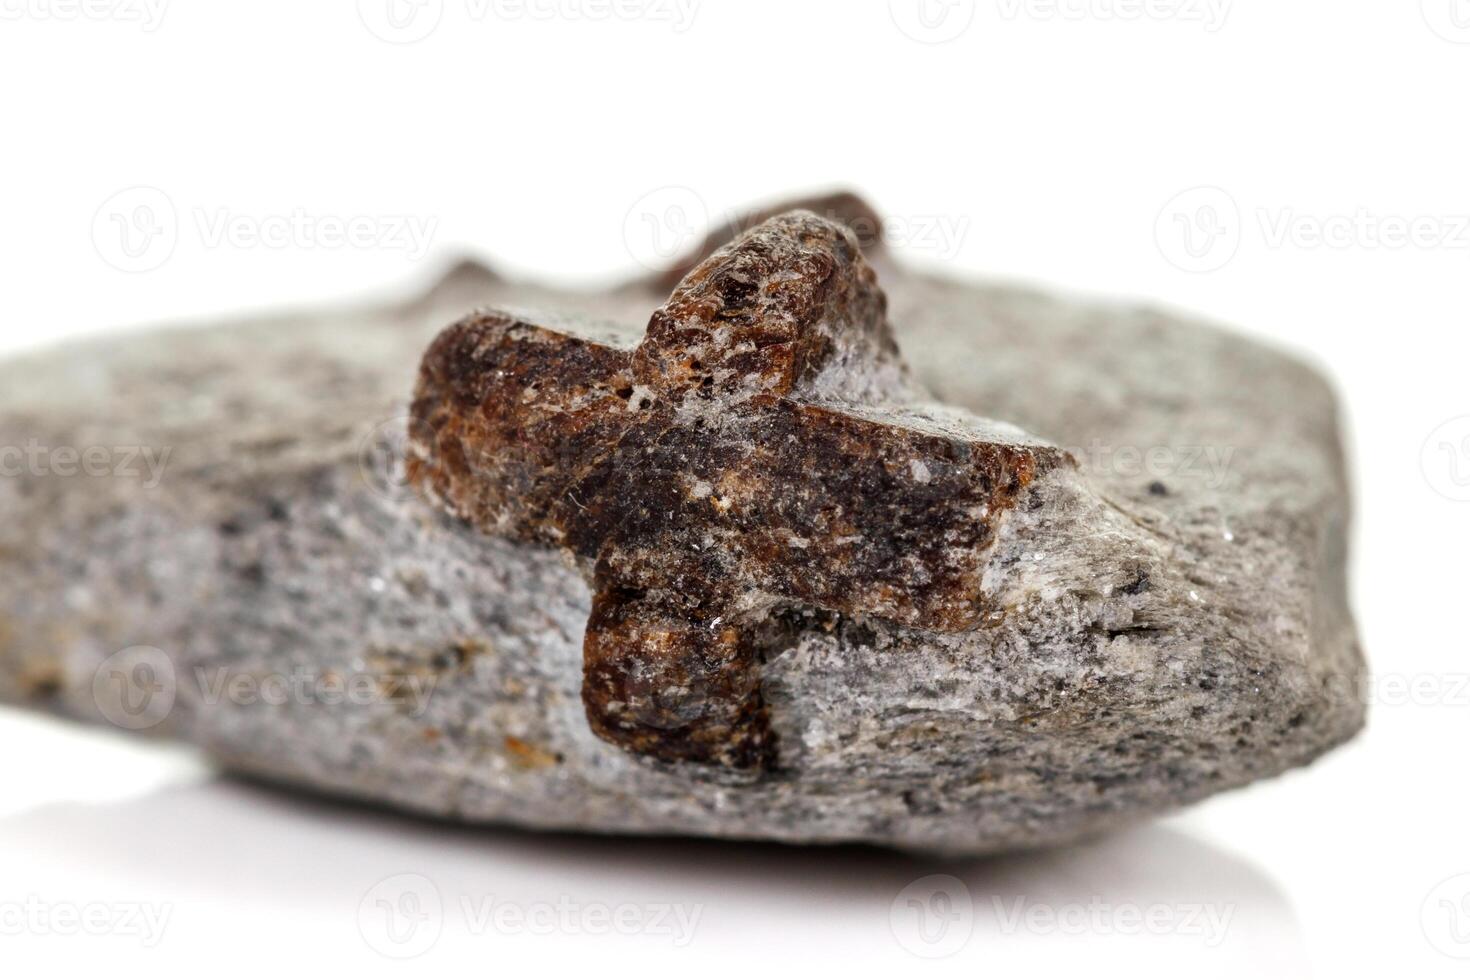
{"points": [[751, 451], [752, 572]]}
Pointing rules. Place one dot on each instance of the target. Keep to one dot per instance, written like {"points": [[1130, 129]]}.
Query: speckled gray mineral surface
{"points": [[836, 551]]}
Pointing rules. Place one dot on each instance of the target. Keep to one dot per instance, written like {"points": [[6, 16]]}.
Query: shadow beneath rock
{"points": [[1148, 891]]}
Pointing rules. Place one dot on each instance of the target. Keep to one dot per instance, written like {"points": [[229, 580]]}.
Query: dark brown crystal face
{"points": [[760, 447]]}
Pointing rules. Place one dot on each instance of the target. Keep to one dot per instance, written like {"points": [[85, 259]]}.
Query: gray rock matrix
{"points": [[208, 537]]}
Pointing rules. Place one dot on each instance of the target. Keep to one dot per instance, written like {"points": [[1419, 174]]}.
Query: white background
{"points": [[1049, 142]]}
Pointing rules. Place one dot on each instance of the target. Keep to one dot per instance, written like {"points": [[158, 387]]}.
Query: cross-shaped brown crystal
{"points": [[760, 448]]}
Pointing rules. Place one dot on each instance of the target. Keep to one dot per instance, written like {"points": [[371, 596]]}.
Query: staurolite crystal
{"points": [[757, 451], [765, 569]]}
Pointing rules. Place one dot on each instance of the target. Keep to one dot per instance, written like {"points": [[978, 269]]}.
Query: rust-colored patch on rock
{"points": [[760, 447], [524, 755]]}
